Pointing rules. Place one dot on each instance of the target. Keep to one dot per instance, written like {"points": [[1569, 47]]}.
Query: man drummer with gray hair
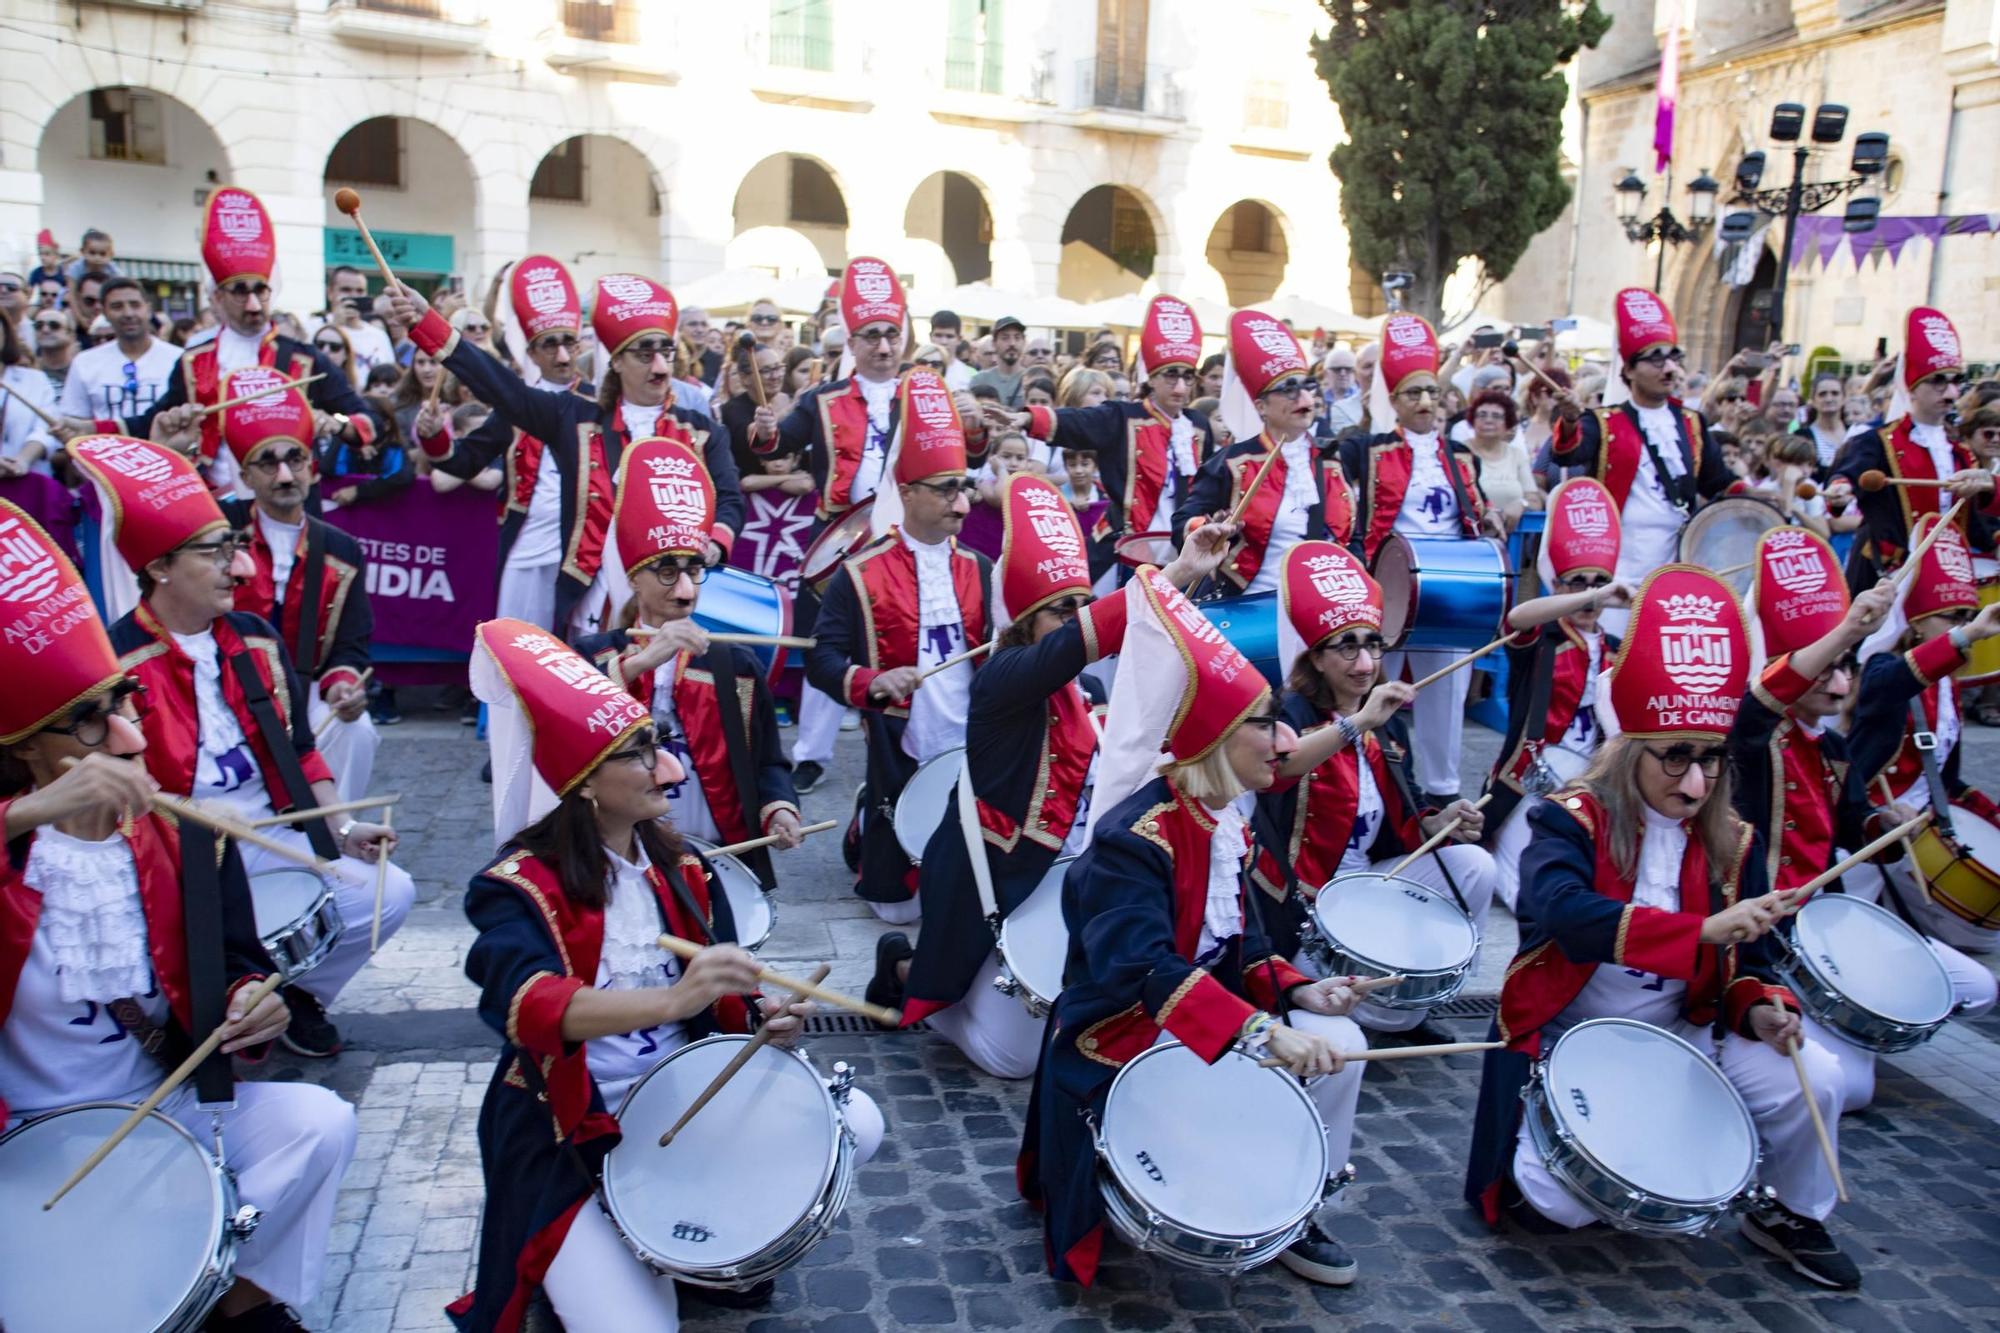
{"points": [[1644, 898]]}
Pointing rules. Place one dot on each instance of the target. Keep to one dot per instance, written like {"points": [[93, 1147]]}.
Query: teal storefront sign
{"points": [[417, 251]]}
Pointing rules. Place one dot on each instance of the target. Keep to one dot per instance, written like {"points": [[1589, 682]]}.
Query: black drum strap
{"points": [[1263, 831], [1468, 517], [1933, 779], [305, 653], [721, 664], [208, 980], [279, 742]]}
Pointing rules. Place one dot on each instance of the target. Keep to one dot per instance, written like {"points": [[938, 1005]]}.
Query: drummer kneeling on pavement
{"points": [[1644, 898], [98, 1001]]}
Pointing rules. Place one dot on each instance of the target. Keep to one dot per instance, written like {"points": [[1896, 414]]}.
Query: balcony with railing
{"points": [[615, 21], [797, 50], [410, 25], [796, 61], [1125, 95], [630, 38]]}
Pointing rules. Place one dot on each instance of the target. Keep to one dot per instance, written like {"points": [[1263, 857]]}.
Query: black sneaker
{"points": [[806, 776], [486, 772], [310, 1033], [886, 986], [1318, 1257], [384, 710], [1803, 1243], [267, 1318]]}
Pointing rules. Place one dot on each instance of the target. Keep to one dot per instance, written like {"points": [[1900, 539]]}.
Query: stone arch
{"points": [[951, 210], [1249, 248], [1111, 241], [795, 192], [420, 194], [595, 202]]}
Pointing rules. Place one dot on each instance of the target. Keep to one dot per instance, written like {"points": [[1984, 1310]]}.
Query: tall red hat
{"points": [[575, 712], [931, 440], [1797, 591], [1583, 530], [1262, 350], [629, 305], [1041, 546], [1930, 346], [1172, 336], [544, 297], [1324, 590], [1944, 580], [1643, 322], [282, 414], [1409, 347], [57, 655], [870, 293], [1684, 661], [46, 240], [666, 502], [1219, 686], [154, 501], [237, 239]]}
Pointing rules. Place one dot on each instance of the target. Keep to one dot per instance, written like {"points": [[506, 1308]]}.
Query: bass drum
{"points": [[1982, 664], [1962, 873], [836, 541], [735, 600], [1723, 534], [1250, 621], [753, 908], [1145, 548], [1444, 593]]}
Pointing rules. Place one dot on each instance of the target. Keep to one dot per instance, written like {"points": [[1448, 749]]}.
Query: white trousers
{"points": [[1334, 1096], [1512, 841], [1437, 715], [353, 885], [1792, 1163], [907, 912], [348, 748], [820, 715], [1472, 870], [289, 1144], [598, 1285], [1933, 920], [528, 592], [995, 1031]]}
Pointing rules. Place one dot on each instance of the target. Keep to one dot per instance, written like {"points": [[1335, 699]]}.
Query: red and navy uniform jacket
{"points": [[330, 643], [1029, 740], [1133, 903], [1883, 743], [1609, 444], [1132, 443], [1380, 466], [148, 652], [156, 856], [586, 443], [829, 425], [1222, 480], [1888, 514], [1790, 785], [868, 623], [199, 380], [537, 948], [1315, 814], [1577, 914], [739, 816], [1557, 648]]}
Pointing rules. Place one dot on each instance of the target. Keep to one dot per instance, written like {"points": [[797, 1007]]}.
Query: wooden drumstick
{"points": [[954, 660], [1537, 372], [227, 825], [1431, 843], [1900, 833], [1460, 662], [180, 1075], [323, 811], [267, 390], [1874, 479], [752, 844], [14, 397], [681, 948], [747, 342], [381, 883], [736, 1062], [1404, 1052], [1909, 848], [1818, 1121], [326, 723], [349, 202], [1937, 528], [1236, 514], [732, 636]]}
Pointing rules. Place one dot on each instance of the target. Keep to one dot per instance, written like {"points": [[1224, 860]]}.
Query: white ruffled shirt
{"points": [[1584, 734], [1937, 445], [1369, 809], [875, 451], [225, 768], [1288, 525], [1652, 521], [938, 708], [632, 960], [1222, 914], [1430, 505], [1628, 992]]}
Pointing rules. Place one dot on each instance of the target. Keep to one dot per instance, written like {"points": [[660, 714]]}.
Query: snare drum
{"points": [[1217, 1167], [1443, 592], [146, 1241], [735, 599], [839, 539], [931, 792], [297, 919], [1864, 975], [1251, 623], [754, 1181], [1723, 534], [1145, 548], [1368, 925], [1964, 880], [1982, 664], [1641, 1128], [1034, 944], [753, 908]]}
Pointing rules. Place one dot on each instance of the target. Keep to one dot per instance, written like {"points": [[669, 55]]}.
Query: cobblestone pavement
{"points": [[934, 1235]]}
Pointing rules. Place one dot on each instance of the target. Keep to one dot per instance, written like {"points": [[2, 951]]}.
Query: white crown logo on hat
{"points": [[1798, 572], [545, 290], [1404, 332], [1694, 649], [932, 406], [132, 459], [1943, 337], [871, 283], [1271, 336], [29, 572], [1336, 580], [1643, 307], [556, 658], [1952, 558], [236, 214], [1589, 516], [1176, 322], [625, 288]]}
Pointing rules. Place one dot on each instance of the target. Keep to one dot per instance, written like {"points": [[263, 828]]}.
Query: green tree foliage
{"points": [[1453, 110]]}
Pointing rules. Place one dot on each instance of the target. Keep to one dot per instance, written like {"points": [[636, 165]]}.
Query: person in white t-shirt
{"points": [[346, 300], [123, 377]]}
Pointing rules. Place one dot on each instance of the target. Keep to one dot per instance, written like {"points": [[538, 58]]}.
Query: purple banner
{"points": [[432, 569], [49, 503], [1824, 236]]}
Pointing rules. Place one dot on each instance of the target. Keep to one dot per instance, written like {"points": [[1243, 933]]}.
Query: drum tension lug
{"points": [[841, 1083], [1337, 1182], [245, 1220]]}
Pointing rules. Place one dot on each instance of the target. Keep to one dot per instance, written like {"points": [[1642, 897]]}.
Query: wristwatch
{"points": [[345, 829]]}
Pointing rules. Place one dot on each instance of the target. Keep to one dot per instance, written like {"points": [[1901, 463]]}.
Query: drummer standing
{"points": [[1643, 897], [1655, 456], [907, 602], [711, 703], [572, 976], [1789, 767], [1343, 803], [1417, 481]]}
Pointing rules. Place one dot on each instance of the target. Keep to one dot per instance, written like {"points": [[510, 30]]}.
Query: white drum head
{"points": [[924, 801], [1979, 838], [1228, 1148], [1398, 923], [281, 898], [747, 903], [1652, 1110], [1033, 939], [124, 1248], [1873, 959], [742, 1172]]}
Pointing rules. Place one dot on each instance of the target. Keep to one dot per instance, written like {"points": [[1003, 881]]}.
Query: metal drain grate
{"points": [[1469, 1006]]}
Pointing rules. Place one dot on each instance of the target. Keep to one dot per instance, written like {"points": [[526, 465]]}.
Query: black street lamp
{"points": [[1663, 226], [1829, 126]]}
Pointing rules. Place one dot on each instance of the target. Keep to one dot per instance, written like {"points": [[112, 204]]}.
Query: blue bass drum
{"points": [[735, 600], [1251, 623], [1443, 592]]}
